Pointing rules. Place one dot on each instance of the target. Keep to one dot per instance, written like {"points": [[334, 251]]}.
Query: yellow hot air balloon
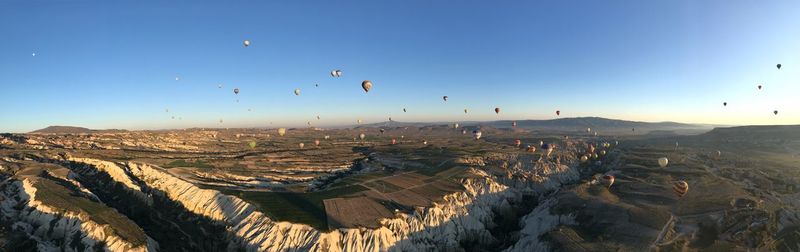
{"points": [[282, 131], [584, 158], [663, 162], [252, 144]]}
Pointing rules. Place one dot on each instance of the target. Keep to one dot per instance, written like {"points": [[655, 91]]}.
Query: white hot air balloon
{"points": [[296, 91], [336, 73], [282, 131], [327, 137], [477, 134], [246, 43], [301, 145], [663, 162], [455, 125], [366, 85], [362, 136]]}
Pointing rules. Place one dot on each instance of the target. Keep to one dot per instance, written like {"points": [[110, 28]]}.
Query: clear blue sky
{"points": [[113, 64]]}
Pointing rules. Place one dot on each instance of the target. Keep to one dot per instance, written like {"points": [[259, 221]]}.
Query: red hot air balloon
{"points": [[497, 110], [608, 180], [394, 141], [680, 188]]}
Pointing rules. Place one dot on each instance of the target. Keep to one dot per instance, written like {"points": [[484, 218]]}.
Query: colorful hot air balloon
{"points": [[296, 91], [301, 145], [316, 142], [236, 91], [246, 43], [362, 136], [608, 180], [531, 149], [477, 134], [366, 85], [663, 162], [558, 112], [497, 110], [779, 66], [336, 73], [444, 98], [517, 142], [282, 131], [680, 188]]}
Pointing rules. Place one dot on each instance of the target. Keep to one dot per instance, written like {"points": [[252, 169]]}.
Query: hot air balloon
{"points": [[236, 91], [327, 137], [477, 134], [316, 84], [497, 110], [336, 73], [759, 87], [246, 43], [282, 131], [316, 142], [547, 149], [590, 148], [463, 131], [444, 98], [680, 188], [531, 149], [404, 109], [465, 111], [779, 66], [584, 158], [220, 120], [588, 129], [382, 130], [362, 136], [775, 112], [602, 152], [608, 180], [402, 136], [366, 85], [167, 110], [296, 91], [252, 144], [301, 145], [514, 124], [725, 104], [719, 153], [541, 143], [219, 86], [359, 121], [317, 117], [394, 141], [455, 125], [558, 112], [517, 142], [663, 162]]}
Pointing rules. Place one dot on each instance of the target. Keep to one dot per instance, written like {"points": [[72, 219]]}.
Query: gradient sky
{"points": [[113, 64]]}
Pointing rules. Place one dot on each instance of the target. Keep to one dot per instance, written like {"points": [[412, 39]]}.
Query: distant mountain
{"points": [[767, 132], [71, 130], [603, 125]]}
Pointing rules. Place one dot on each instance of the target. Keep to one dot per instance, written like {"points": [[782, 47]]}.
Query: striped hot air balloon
{"points": [[680, 188]]}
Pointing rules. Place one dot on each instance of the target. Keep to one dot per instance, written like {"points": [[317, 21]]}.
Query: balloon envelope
{"points": [[497, 110], [444, 98], [236, 90], [680, 188], [281, 131], [297, 91], [608, 180], [246, 43], [362, 136], [663, 162], [477, 134], [252, 144], [779, 66], [366, 85], [558, 112]]}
